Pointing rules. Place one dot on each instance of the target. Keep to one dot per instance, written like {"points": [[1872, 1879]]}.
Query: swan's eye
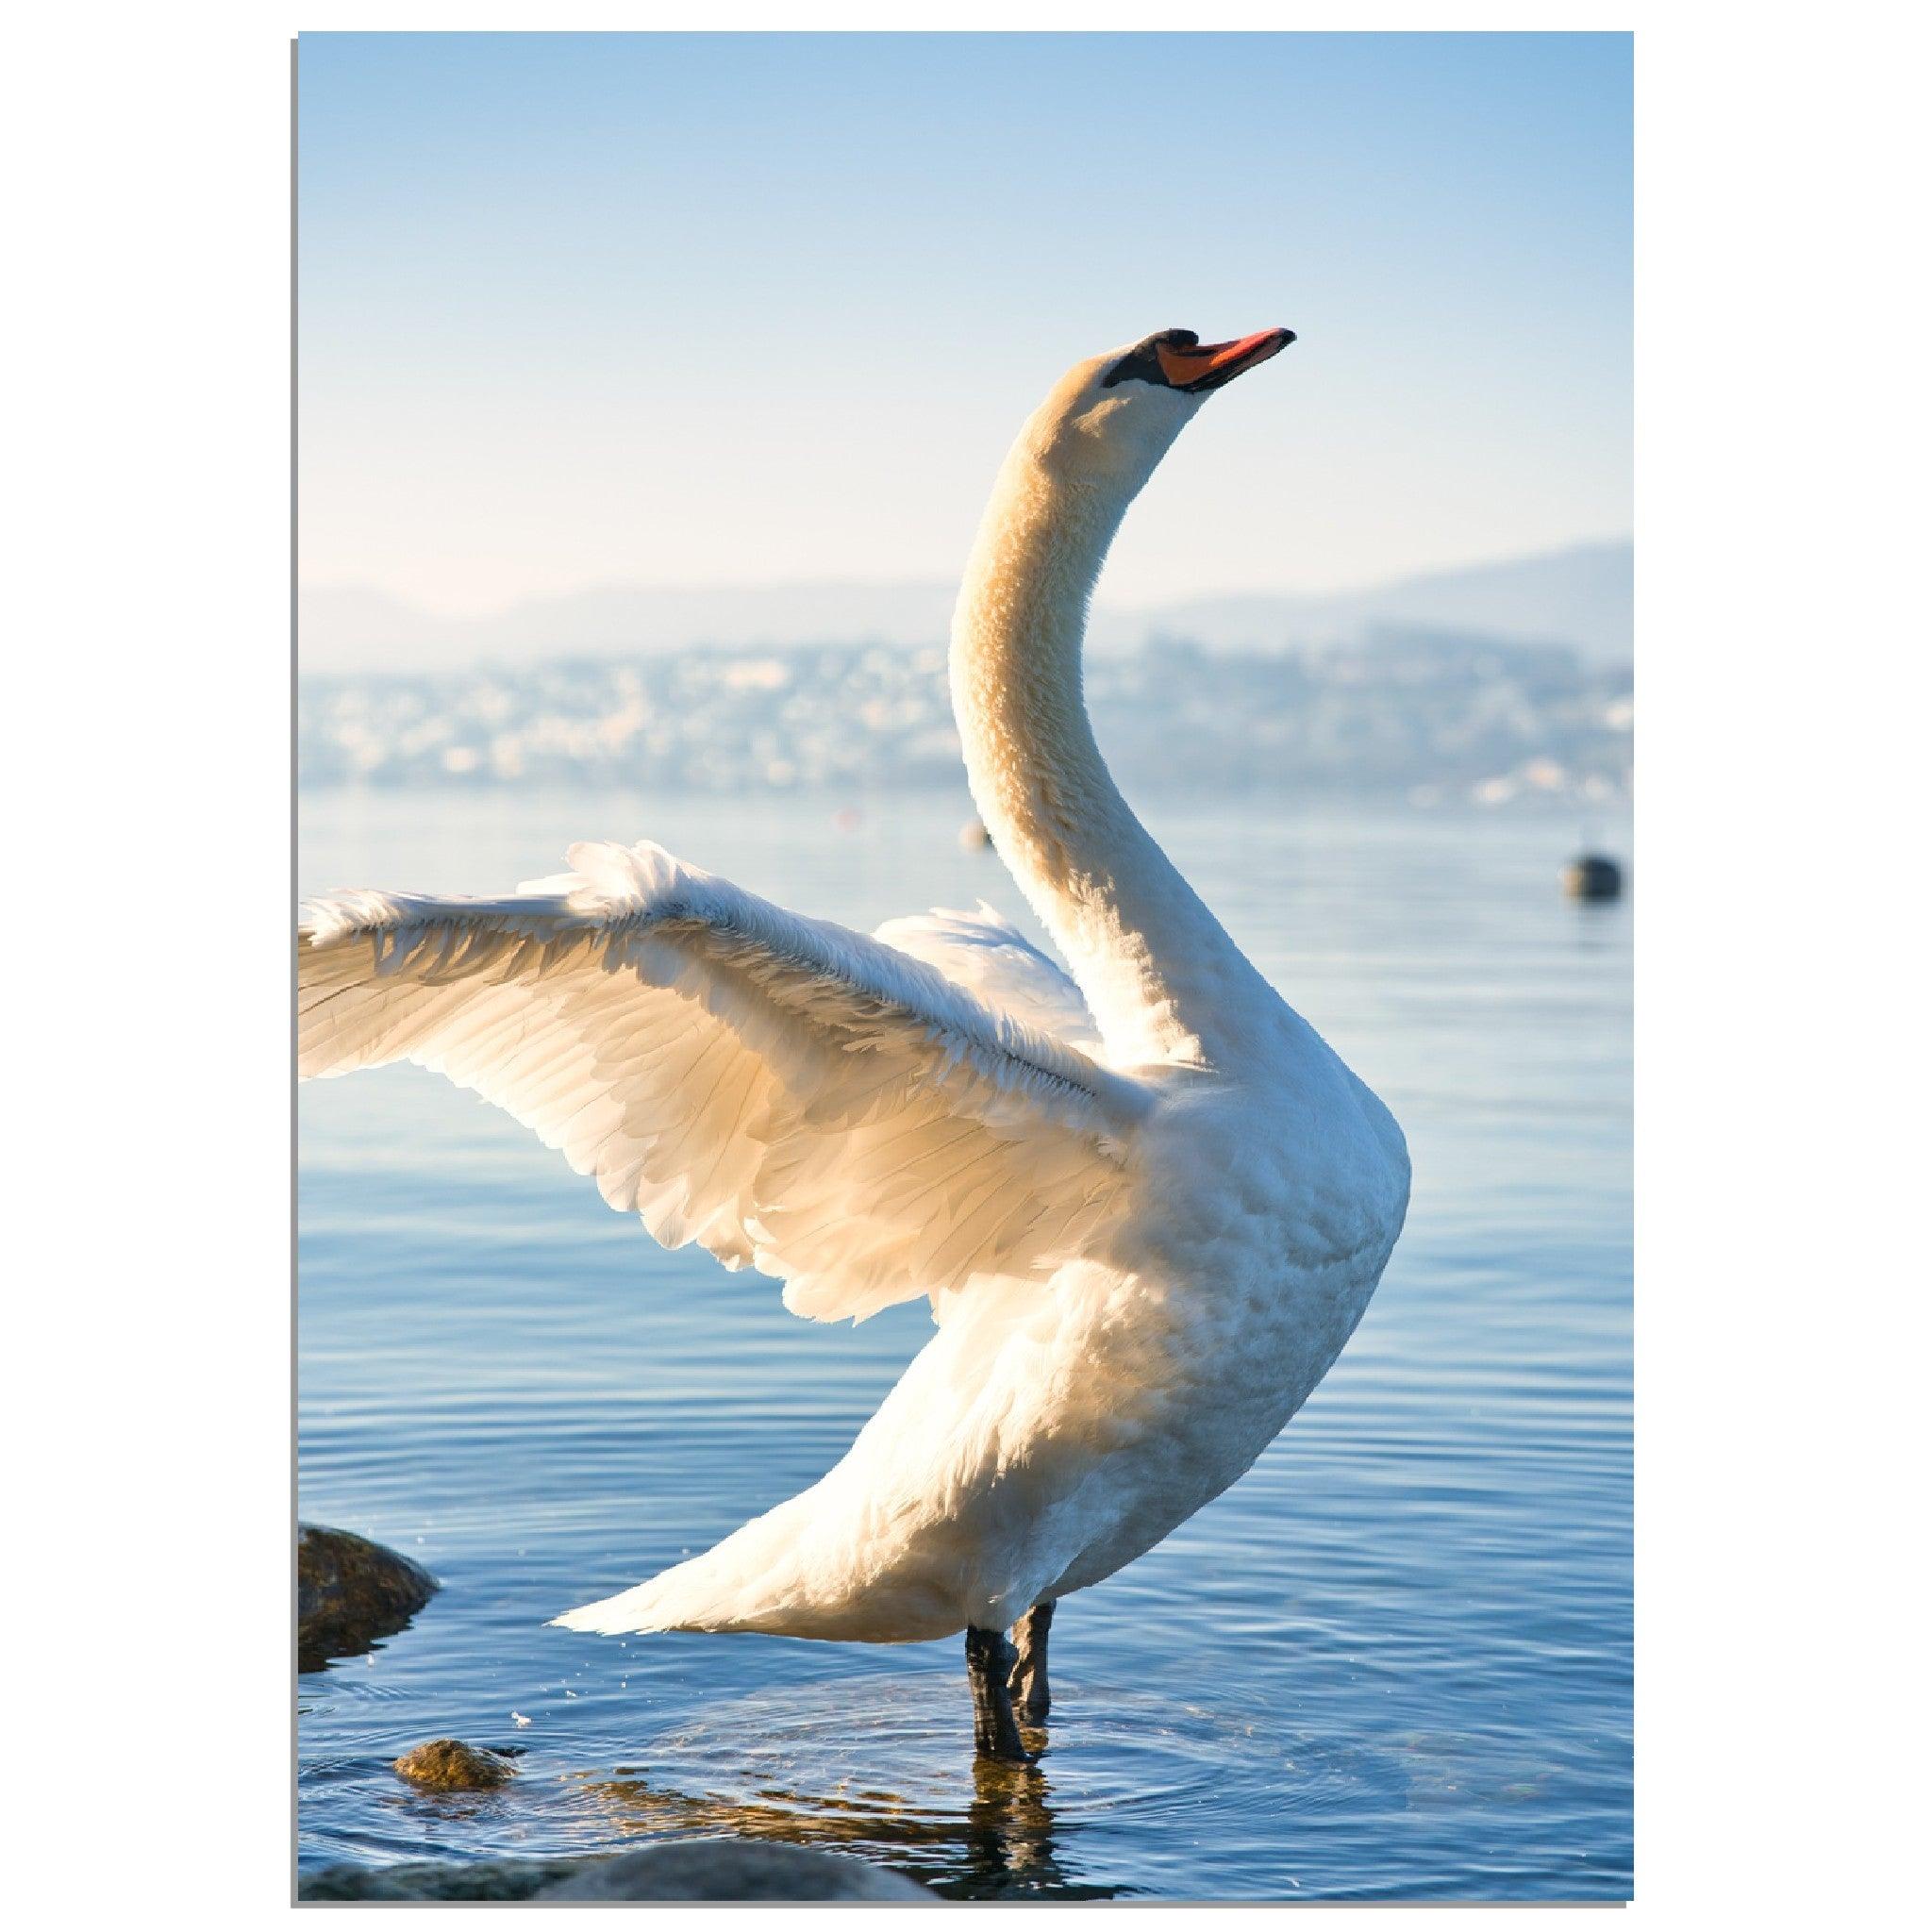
{"points": [[1143, 363]]}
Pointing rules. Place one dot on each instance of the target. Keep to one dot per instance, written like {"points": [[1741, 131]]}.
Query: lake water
{"points": [[1393, 1662]]}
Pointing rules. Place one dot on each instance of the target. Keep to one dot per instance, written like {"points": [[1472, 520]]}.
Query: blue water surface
{"points": [[1393, 1662]]}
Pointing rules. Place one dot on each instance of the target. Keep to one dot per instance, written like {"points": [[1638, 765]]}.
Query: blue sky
{"points": [[578, 310]]}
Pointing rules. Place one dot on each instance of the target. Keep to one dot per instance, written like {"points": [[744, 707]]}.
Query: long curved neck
{"points": [[1153, 964]]}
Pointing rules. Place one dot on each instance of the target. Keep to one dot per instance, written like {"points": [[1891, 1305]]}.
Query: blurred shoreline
{"points": [[1420, 717]]}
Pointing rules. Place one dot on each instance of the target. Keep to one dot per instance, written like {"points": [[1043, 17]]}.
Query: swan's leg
{"points": [[988, 1658], [1027, 1683]]}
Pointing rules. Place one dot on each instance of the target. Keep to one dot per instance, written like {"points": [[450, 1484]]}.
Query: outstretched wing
{"points": [[831, 1108]]}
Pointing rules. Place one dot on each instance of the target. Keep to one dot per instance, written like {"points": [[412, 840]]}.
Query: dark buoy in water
{"points": [[1594, 876]]}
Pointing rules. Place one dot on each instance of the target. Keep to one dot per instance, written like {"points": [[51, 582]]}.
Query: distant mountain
{"points": [[1580, 597]]}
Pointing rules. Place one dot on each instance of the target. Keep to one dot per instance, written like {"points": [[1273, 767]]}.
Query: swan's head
{"points": [[1110, 420]]}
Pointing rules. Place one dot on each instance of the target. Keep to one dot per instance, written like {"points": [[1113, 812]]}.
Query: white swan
{"points": [[1148, 1203]]}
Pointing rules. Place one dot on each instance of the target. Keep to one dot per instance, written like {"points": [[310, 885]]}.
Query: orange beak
{"points": [[1210, 364]]}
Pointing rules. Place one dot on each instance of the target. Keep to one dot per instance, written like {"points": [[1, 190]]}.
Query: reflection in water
{"points": [[1000, 1842], [1130, 1768]]}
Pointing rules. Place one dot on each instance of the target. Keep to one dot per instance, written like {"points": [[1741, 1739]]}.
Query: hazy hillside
{"points": [[1580, 598]]}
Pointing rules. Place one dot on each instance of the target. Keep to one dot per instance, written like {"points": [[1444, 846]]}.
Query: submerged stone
{"points": [[446, 1764], [477, 1878], [736, 1868], [349, 1592], [733, 1869]]}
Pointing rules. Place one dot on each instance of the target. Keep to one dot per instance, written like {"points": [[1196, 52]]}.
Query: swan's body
{"points": [[1148, 1203]]}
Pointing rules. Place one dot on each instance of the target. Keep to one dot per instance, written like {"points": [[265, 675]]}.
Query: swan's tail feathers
{"points": [[759, 1578], [698, 1594], [628, 1613], [806, 1569]]}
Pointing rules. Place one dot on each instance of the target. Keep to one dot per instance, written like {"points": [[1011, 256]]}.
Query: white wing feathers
{"points": [[995, 959], [868, 1120]]}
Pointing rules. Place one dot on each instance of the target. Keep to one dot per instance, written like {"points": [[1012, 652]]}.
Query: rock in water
{"points": [[704, 1868], [349, 1592], [490, 1879], [445, 1764], [740, 1868]]}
